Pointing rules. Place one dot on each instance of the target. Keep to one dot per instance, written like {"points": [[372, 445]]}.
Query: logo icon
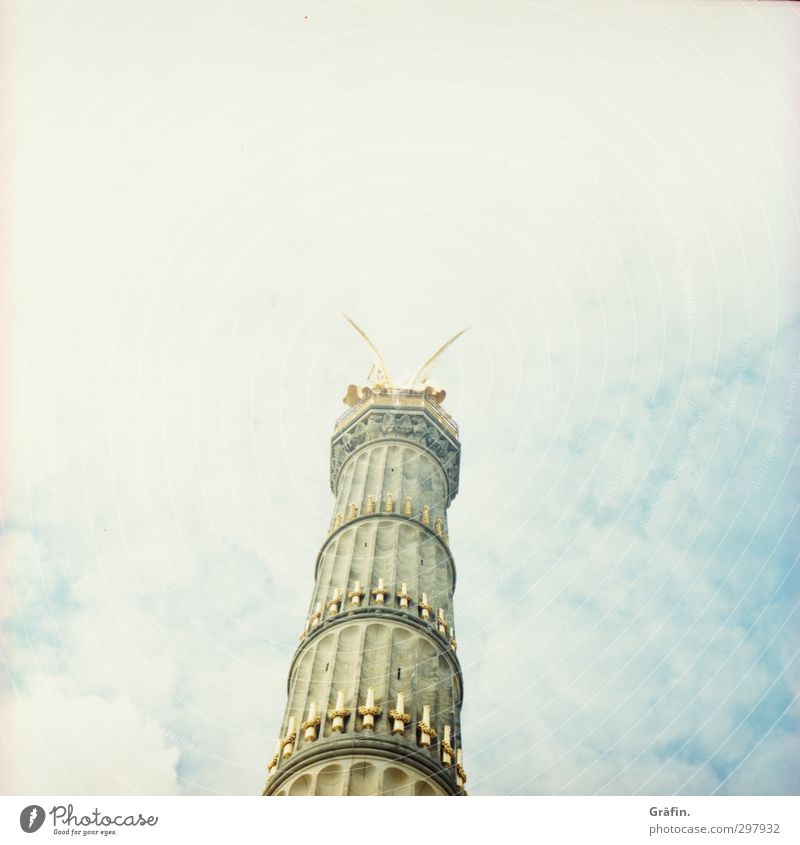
{"points": [[31, 818]]}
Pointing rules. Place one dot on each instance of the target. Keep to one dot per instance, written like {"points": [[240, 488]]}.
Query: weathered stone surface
{"points": [[418, 427], [394, 472]]}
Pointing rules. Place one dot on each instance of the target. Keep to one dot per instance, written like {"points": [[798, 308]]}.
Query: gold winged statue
{"points": [[380, 380]]}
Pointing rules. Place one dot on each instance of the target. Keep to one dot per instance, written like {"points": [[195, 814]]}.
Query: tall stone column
{"points": [[375, 686]]}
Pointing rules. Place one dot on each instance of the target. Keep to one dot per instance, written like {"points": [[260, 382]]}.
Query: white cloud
{"points": [[84, 744]]}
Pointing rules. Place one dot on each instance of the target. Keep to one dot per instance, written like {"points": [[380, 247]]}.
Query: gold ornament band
{"points": [[338, 714], [289, 738], [405, 718]]}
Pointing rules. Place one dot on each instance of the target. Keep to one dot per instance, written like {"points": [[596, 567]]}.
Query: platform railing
{"points": [[396, 397]]}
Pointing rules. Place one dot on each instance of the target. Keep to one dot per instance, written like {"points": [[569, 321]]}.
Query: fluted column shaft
{"points": [[380, 621]]}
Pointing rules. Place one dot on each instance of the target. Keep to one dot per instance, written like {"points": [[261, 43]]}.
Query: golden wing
{"points": [[383, 376], [422, 374]]}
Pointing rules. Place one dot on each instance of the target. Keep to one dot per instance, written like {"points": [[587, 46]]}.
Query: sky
{"points": [[604, 193]]}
